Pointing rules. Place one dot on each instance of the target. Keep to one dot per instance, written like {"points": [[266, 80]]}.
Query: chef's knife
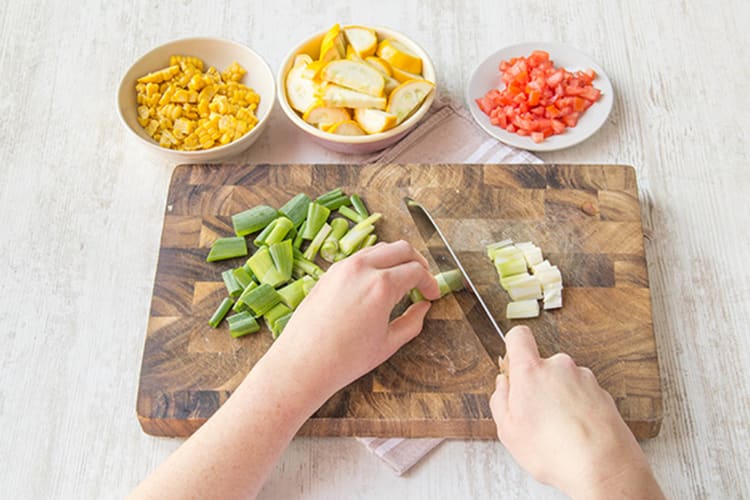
{"points": [[427, 227]]}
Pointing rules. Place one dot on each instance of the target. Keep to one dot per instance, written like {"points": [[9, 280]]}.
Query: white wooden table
{"points": [[81, 210]]}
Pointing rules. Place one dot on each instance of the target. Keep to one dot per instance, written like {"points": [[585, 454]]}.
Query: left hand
{"points": [[342, 330]]}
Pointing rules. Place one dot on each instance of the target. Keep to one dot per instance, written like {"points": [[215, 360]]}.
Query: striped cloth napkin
{"points": [[448, 135]]}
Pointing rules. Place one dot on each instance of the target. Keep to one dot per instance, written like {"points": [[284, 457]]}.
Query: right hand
{"points": [[563, 428]]}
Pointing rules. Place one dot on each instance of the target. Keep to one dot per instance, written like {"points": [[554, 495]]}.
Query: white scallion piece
{"points": [[510, 267], [550, 278], [533, 256], [528, 288], [522, 309], [541, 267], [494, 247], [509, 281], [553, 298], [506, 253]]}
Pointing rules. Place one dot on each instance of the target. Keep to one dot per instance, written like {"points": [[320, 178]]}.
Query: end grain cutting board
{"points": [[439, 384]]}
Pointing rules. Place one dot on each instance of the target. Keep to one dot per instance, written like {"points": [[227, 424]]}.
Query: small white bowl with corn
{"points": [[356, 116], [187, 126]]}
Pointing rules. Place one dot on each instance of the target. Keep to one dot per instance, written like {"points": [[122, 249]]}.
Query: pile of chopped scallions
{"points": [[544, 281], [282, 270]]}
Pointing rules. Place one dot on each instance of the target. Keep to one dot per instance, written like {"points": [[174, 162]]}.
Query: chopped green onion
{"points": [[522, 309], [261, 299], [234, 288], [253, 220], [241, 304], [242, 324], [336, 203], [303, 266], [279, 231], [263, 267], [220, 312], [351, 240], [293, 293], [315, 244], [416, 296], [369, 241], [308, 282], [243, 276], [296, 208], [282, 256], [330, 195], [509, 267], [492, 248], [450, 281], [261, 238], [356, 235], [317, 215], [272, 317], [350, 214], [227, 248], [298, 238], [359, 206], [279, 325], [330, 246]]}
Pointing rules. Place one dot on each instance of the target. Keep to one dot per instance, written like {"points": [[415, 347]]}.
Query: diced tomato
{"points": [[556, 78], [538, 99], [579, 104], [570, 120], [591, 93]]}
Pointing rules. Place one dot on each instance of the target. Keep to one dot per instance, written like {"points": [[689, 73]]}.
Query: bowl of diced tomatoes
{"points": [[539, 96]]}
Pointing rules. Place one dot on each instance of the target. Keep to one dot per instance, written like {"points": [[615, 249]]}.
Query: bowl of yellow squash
{"points": [[197, 99], [356, 89]]}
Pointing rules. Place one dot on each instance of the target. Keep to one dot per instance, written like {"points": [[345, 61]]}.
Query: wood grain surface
{"points": [[83, 207], [439, 384]]}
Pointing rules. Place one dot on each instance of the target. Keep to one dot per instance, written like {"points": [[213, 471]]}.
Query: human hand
{"points": [[342, 330], [563, 428]]}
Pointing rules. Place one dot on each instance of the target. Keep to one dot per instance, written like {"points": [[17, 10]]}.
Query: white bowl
{"points": [[487, 76], [358, 144], [215, 52]]}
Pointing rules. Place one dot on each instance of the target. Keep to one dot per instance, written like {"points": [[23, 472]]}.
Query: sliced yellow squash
{"points": [[407, 97], [348, 127], [396, 54], [373, 121], [402, 76], [313, 69], [390, 84], [354, 75], [333, 45], [364, 41], [300, 91], [319, 113], [336, 96], [379, 64]]}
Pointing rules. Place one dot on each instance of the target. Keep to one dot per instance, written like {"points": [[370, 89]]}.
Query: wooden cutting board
{"points": [[439, 384]]}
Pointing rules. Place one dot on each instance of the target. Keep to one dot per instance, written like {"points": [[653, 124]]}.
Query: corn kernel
{"points": [[182, 108]]}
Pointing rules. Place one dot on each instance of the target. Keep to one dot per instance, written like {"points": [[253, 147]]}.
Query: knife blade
{"points": [[427, 227]]}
